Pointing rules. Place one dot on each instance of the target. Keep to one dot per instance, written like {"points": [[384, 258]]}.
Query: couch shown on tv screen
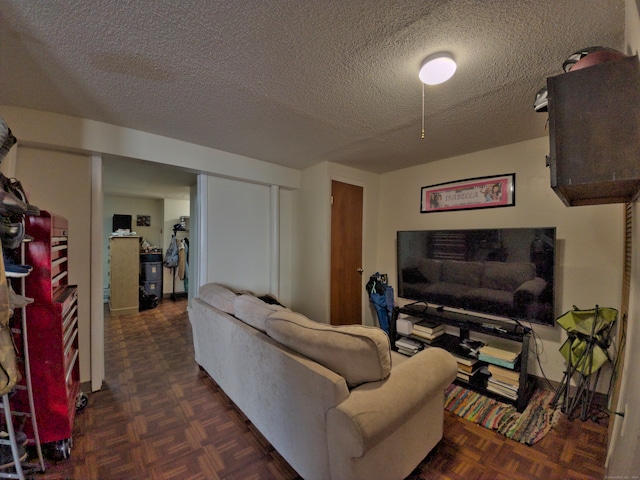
{"points": [[502, 272]]}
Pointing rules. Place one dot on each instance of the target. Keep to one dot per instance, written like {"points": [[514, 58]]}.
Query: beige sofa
{"points": [[335, 402]]}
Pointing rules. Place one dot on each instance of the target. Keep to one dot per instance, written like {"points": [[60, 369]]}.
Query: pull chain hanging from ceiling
{"points": [[422, 136], [436, 69]]}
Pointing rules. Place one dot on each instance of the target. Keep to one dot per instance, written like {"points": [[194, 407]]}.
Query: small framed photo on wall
{"points": [[143, 221]]}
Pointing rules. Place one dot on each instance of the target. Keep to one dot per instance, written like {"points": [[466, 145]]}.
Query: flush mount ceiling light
{"points": [[436, 69]]}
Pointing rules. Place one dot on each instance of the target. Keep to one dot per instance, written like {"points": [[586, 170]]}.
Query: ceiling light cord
{"points": [[422, 135], [436, 69]]}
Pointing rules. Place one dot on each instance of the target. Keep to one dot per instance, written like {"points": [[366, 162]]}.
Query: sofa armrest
{"points": [[533, 287], [375, 410]]}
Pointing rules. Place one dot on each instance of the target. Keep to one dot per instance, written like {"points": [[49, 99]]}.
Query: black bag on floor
{"points": [[146, 300]]}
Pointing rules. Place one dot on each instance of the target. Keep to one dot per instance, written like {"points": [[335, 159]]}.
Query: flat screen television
{"points": [[494, 272]]}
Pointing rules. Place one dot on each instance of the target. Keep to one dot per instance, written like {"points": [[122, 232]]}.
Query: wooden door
{"points": [[346, 254]]}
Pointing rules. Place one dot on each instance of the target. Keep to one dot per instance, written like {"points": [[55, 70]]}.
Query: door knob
{"points": [[360, 270]]}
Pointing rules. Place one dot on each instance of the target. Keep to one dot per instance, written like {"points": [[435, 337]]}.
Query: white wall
{"points": [[63, 132], [312, 233], [239, 234], [623, 460], [589, 249], [237, 218], [128, 177], [287, 280], [310, 256]]}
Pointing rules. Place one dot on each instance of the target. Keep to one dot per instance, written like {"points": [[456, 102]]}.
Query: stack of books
{"points": [[503, 381], [408, 346], [503, 354], [427, 330], [468, 368]]}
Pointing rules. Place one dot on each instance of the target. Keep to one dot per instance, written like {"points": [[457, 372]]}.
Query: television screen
{"points": [[121, 222], [506, 272]]}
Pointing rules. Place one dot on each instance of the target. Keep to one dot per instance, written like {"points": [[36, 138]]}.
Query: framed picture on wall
{"points": [[143, 221], [479, 192]]}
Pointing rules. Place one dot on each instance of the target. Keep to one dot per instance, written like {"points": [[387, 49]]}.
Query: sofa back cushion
{"points": [[358, 353], [462, 273], [253, 311], [507, 276], [421, 270], [218, 296]]}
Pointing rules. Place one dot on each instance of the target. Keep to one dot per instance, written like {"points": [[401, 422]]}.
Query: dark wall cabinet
{"points": [[594, 133]]}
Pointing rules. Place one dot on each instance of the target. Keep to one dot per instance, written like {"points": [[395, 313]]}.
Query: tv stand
{"points": [[466, 324]]}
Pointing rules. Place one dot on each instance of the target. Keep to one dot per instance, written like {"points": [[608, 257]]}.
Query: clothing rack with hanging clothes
{"points": [[177, 259]]}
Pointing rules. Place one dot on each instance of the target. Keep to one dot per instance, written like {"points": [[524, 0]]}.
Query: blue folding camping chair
{"points": [[381, 295]]}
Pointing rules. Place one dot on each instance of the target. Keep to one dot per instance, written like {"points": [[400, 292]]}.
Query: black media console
{"points": [[465, 324]]}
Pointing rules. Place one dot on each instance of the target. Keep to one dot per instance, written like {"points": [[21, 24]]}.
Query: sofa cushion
{"points": [[462, 273], [507, 276], [358, 353], [421, 270], [499, 301], [253, 311], [218, 296]]}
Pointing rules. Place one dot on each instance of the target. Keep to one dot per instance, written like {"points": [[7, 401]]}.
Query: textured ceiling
{"points": [[297, 82]]}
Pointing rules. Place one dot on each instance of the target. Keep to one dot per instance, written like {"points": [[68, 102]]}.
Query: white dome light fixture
{"points": [[437, 69]]}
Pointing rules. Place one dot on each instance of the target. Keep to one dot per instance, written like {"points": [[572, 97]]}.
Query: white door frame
{"points": [[96, 294], [196, 257]]}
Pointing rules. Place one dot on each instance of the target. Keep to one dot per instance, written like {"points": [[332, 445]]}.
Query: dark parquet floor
{"points": [[159, 416]]}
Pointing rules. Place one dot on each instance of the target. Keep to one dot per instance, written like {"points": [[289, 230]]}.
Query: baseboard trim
{"points": [[599, 399]]}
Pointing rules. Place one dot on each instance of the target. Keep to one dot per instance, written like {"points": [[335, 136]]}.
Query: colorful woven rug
{"points": [[527, 427]]}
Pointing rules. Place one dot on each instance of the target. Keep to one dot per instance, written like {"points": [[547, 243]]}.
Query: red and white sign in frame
{"points": [[479, 192]]}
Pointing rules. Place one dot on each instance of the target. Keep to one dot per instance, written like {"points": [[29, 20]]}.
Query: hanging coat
{"points": [[182, 261], [171, 257]]}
